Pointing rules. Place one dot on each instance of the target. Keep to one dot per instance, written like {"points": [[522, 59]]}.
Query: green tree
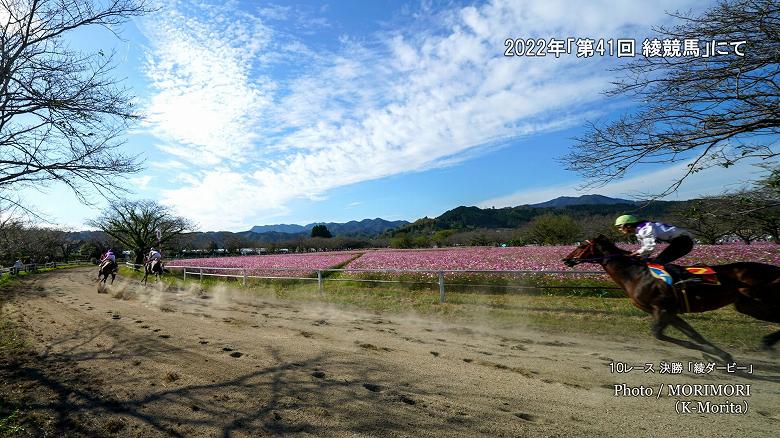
{"points": [[441, 237], [552, 229], [320, 231], [90, 249], [401, 240], [421, 242]]}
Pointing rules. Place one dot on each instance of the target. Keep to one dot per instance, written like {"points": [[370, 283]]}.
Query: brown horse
{"points": [[153, 267], [753, 288], [107, 268]]}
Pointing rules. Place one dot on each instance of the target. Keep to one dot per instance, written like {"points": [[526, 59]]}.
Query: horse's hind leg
{"points": [[763, 310], [664, 319]]}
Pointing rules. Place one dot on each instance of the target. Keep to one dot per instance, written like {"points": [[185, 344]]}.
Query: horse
{"points": [[753, 288], [153, 267], [107, 268]]}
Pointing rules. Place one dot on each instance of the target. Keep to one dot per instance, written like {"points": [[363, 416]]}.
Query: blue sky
{"points": [[260, 113]]}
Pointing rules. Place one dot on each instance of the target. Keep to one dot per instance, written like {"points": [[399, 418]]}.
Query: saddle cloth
{"points": [[672, 274]]}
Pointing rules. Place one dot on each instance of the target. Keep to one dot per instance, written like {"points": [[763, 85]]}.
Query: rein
{"points": [[597, 259]]}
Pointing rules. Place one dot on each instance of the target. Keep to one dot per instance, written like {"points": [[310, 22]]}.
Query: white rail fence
{"points": [[439, 274], [33, 267]]}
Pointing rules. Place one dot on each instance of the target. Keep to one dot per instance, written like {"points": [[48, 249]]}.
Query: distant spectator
{"points": [[17, 267]]}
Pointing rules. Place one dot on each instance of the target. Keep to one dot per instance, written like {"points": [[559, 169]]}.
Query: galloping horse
{"points": [[753, 288], [154, 267], [107, 268]]}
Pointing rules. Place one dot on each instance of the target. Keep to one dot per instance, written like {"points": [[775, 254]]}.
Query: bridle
{"points": [[600, 260]]}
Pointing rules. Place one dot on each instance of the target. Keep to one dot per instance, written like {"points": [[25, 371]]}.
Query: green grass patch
{"points": [[9, 423], [11, 341], [509, 283]]}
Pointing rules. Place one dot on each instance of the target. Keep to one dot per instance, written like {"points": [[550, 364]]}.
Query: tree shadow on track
{"points": [[60, 393], [284, 399]]}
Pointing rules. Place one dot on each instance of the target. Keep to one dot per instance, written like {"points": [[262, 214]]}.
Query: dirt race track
{"points": [[143, 361]]}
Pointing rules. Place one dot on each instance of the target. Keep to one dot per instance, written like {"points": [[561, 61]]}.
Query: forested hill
{"points": [[471, 218]]}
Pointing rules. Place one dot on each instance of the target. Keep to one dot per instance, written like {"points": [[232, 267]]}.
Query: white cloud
{"points": [[168, 165], [255, 110], [205, 102], [141, 182]]}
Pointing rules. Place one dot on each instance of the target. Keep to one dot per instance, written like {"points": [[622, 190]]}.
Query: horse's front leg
{"points": [[663, 318], [683, 326]]}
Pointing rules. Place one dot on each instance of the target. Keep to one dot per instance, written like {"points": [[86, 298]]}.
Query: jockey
{"points": [[109, 255], [153, 256], [649, 233], [107, 259]]}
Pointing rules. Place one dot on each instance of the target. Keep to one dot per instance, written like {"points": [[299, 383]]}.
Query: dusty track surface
{"points": [[144, 361]]}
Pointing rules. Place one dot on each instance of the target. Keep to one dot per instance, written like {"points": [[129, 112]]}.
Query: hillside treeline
{"points": [[746, 216]]}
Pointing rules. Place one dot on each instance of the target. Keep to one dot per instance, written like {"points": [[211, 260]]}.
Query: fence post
{"points": [[441, 287], [185, 273], [201, 274], [243, 280], [319, 282]]}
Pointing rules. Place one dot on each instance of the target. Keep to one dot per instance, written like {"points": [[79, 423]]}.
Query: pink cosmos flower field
{"points": [[533, 258], [281, 265]]}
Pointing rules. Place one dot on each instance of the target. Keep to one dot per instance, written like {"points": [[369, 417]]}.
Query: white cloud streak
{"points": [[262, 118], [141, 182], [706, 182]]}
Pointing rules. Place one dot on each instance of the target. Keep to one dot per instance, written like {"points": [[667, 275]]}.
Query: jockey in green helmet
{"points": [[649, 233]]}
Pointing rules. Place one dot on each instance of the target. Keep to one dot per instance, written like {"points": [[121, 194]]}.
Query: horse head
{"points": [[594, 251]]}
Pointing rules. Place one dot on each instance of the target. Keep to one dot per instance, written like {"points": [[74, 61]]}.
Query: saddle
{"points": [[675, 275]]}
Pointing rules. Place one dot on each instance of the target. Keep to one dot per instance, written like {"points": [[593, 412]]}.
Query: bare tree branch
{"points": [[714, 111], [62, 113], [135, 223]]}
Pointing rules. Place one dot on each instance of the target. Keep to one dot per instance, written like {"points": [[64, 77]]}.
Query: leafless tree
{"points": [[714, 110], [135, 225], [10, 236], [62, 111], [752, 213], [708, 218]]}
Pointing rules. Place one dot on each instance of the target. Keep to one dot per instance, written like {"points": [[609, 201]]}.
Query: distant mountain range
{"points": [[566, 201], [366, 227]]}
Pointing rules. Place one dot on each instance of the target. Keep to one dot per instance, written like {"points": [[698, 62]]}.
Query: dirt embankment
{"points": [[145, 361]]}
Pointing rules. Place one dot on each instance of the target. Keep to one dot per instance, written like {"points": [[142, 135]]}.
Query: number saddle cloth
{"points": [[675, 275], [679, 277]]}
